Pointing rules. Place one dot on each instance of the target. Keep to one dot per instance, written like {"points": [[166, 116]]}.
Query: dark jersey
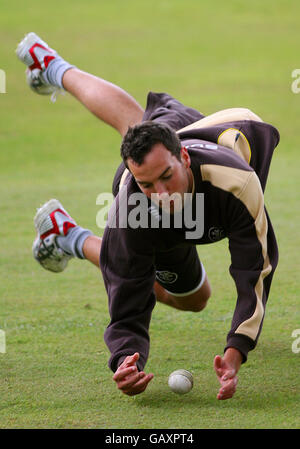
{"points": [[233, 208]]}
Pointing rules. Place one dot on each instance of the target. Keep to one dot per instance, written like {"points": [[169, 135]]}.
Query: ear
{"points": [[185, 157]]}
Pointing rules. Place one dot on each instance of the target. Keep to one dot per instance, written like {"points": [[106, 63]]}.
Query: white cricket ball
{"points": [[181, 381]]}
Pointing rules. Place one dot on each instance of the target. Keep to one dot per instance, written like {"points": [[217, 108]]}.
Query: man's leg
{"points": [[47, 71], [91, 249], [108, 102], [59, 238], [181, 280], [194, 302]]}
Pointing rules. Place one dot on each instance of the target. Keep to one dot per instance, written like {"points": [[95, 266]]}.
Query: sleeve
{"points": [[262, 140], [126, 262], [163, 108], [259, 140], [254, 257]]}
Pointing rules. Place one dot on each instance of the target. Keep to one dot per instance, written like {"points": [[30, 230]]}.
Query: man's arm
{"points": [[254, 257], [127, 265], [129, 279]]}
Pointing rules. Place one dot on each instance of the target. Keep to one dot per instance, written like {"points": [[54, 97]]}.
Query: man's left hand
{"points": [[226, 369]]}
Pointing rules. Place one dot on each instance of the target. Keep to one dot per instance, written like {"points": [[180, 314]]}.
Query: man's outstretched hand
{"points": [[129, 379], [226, 369]]}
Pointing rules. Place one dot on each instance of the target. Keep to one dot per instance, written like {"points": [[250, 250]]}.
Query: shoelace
{"points": [[57, 92]]}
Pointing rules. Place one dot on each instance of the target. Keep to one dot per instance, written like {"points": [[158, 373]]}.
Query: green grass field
{"points": [[211, 56]]}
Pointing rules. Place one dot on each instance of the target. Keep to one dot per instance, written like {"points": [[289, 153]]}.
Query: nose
{"points": [[160, 188], [159, 194]]}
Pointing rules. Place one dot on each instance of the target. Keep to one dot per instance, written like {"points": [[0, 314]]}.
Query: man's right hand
{"points": [[128, 379]]}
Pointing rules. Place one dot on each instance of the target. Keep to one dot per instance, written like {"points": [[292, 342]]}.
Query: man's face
{"points": [[162, 175]]}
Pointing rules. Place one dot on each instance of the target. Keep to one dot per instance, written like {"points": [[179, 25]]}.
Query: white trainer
{"points": [[50, 221], [36, 54]]}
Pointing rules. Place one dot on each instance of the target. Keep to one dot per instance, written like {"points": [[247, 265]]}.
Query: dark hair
{"points": [[140, 139]]}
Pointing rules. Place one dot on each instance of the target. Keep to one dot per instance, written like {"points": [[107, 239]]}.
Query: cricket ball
{"points": [[181, 381]]}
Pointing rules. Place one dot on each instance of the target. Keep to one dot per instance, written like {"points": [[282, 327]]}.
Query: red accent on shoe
{"points": [[66, 226], [36, 64], [47, 59]]}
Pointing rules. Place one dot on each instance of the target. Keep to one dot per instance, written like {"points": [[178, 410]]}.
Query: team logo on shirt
{"points": [[167, 277], [215, 234]]}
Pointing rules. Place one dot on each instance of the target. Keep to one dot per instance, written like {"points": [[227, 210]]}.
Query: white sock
{"points": [[54, 72], [73, 242]]}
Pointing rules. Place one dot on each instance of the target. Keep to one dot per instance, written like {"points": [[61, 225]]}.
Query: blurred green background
{"points": [[210, 55]]}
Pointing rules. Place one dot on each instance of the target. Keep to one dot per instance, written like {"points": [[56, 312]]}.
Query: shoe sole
{"points": [[56, 265]]}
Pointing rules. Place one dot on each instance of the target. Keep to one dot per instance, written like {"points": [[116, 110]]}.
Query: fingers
{"points": [[128, 379], [120, 374], [228, 389], [128, 382], [218, 366], [134, 383], [227, 378], [140, 385], [130, 360], [229, 374]]}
